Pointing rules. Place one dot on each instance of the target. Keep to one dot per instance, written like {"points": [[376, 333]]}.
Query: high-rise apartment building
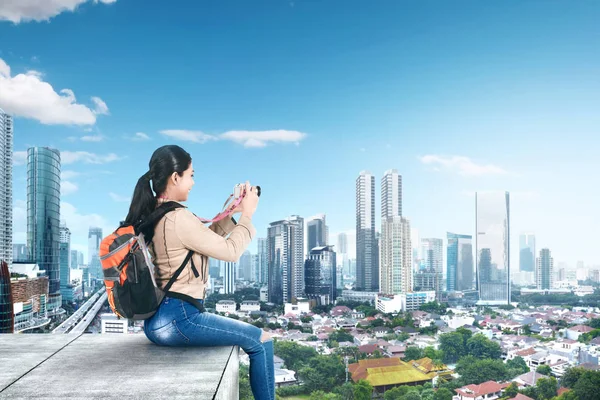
{"points": [[367, 270], [6, 208], [285, 242]]}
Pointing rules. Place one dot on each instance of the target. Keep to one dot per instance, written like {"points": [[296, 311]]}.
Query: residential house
{"points": [[528, 379], [575, 331], [489, 390]]}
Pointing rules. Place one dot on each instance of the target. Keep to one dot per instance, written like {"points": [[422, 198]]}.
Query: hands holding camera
{"points": [[249, 202]]}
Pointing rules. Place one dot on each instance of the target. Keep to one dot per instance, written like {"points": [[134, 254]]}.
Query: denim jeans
{"points": [[178, 323]]}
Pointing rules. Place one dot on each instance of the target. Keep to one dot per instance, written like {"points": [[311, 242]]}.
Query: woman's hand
{"points": [[249, 203]]}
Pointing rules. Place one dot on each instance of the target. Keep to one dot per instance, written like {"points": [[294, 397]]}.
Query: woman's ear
{"points": [[175, 178]]}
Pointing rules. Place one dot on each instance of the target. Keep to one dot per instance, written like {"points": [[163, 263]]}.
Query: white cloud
{"points": [[140, 137], [38, 10], [67, 188], [92, 138], [245, 138], [27, 95], [19, 157], [101, 107], [79, 224], [67, 174], [188, 136], [263, 138], [119, 198], [461, 165], [70, 157]]}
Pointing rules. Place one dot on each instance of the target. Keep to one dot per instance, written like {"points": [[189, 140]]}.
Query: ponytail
{"points": [[143, 201]]}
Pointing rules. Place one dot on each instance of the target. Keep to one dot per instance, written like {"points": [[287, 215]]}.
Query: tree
{"points": [[432, 353], [396, 393], [544, 370], [481, 347], [346, 391], [323, 373], [294, 355], [571, 377], [594, 323], [413, 353], [546, 388], [453, 347], [519, 366], [473, 370], [377, 322], [427, 394], [587, 386], [244, 385], [511, 391], [341, 336], [443, 394], [412, 395], [321, 395], [363, 390]]}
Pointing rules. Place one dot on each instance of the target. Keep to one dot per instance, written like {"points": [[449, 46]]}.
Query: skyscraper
{"points": [[229, 276], [43, 212], [544, 272], [459, 272], [432, 254], [367, 270], [6, 208], [342, 258], [320, 275], [263, 260], [396, 260], [65, 261], [527, 252], [317, 232], [94, 265], [391, 194], [285, 242], [492, 219], [245, 266], [7, 317]]}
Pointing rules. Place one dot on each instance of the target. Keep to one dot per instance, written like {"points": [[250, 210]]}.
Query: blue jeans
{"points": [[178, 323]]}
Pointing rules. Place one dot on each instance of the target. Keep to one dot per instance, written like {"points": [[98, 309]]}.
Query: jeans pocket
{"points": [[169, 335]]}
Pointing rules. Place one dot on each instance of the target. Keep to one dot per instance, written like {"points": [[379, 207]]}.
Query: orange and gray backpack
{"points": [[129, 273]]}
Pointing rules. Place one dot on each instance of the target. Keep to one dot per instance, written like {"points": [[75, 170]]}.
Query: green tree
{"points": [[587, 386], [518, 365], [571, 377], [427, 394], [481, 347], [396, 393], [363, 390], [432, 353], [321, 395], [413, 353], [546, 388], [323, 373], [473, 370], [453, 346], [512, 390], [377, 322], [443, 394], [294, 355], [544, 370], [341, 336], [346, 391], [412, 396], [245, 390]]}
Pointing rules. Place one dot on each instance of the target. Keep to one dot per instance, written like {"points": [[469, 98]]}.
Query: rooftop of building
{"points": [[113, 367]]}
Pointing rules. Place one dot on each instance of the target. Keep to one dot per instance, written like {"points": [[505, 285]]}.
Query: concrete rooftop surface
{"points": [[113, 366]]}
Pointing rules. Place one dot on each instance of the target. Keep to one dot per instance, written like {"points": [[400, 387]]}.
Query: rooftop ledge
{"points": [[91, 366]]}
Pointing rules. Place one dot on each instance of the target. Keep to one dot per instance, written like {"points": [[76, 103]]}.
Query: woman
{"points": [[177, 322]]}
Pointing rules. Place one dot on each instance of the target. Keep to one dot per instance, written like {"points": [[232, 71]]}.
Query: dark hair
{"points": [[164, 161]]}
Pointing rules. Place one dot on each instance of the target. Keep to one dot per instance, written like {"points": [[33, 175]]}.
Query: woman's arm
{"points": [[223, 227], [197, 237]]}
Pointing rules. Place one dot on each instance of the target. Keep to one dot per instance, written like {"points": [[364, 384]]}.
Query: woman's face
{"points": [[182, 185]]}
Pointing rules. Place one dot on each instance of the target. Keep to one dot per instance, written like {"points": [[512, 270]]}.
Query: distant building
{"points": [[300, 307], [262, 261], [460, 268], [20, 253], [7, 318], [250, 305], [6, 185], [492, 216], [285, 242], [317, 232], [66, 289], [226, 306], [527, 252], [395, 262], [229, 277], [354, 295], [403, 302], [94, 265], [544, 272], [264, 294], [43, 218], [367, 269], [110, 323], [320, 275]]}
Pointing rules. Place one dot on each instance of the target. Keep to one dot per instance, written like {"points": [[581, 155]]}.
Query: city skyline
{"points": [[439, 124]]}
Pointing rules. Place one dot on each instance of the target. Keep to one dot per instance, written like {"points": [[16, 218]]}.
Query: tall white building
{"points": [[262, 260], [544, 271], [285, 243], [94, 265], [367, 268], [229, 275], [317, 234], [396, 257], [391, 194], [6, 208]]}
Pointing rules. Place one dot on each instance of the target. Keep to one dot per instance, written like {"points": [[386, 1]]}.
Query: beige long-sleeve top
{"points": [[180, 231]]}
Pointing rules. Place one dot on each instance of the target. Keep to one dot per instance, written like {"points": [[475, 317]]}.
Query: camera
{"points": [[238, 190]]}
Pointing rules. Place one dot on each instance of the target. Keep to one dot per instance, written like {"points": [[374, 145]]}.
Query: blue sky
{"points": [[301, 96]]}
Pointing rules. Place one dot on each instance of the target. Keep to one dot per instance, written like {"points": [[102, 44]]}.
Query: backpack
{"points": [[129, 272]]}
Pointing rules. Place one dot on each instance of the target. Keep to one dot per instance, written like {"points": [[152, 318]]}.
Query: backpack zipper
{"points": [[121, 247]]}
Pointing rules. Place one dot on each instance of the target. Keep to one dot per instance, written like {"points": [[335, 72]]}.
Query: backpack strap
{"points": [[179, 270], [181, 296], [147, 224]]}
